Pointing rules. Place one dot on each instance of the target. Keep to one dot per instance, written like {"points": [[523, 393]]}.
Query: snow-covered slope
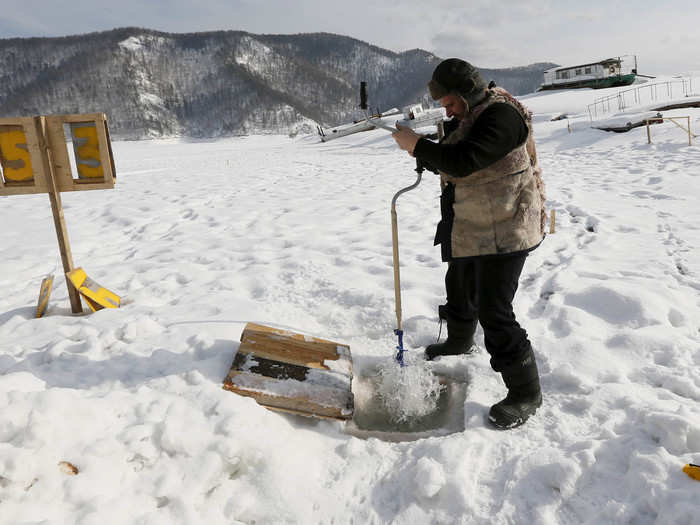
{"points": [[201, 237]]}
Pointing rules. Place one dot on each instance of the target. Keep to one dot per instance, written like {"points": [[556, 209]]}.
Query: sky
{"points": [[665, 36]]}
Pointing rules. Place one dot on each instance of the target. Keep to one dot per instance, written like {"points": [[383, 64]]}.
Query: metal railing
{"points": [[641, 94]]}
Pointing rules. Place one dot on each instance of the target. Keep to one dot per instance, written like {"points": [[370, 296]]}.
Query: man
{"points": [[492, 208]]}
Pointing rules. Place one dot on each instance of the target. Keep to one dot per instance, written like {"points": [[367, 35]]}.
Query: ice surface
{"points": [[205, 236]]}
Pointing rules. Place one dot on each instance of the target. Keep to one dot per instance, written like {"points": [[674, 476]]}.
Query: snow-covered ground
{"points": [[201, 237]]}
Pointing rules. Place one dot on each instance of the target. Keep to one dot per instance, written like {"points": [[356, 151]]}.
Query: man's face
{"points": [[454, 106]]}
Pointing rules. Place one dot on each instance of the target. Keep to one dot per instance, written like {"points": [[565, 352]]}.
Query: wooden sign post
{"points": [[672, 119], [34, 158]]}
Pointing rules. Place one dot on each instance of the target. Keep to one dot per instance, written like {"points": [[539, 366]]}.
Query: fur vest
{"points": [[498, 209]]}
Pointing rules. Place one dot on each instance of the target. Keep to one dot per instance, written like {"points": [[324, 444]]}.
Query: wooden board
{"points": [[293, 373], [44, 294], [59, 219], [298, 349]]}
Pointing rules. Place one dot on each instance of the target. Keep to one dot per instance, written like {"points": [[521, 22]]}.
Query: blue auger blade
{"points": [[399, 354]]}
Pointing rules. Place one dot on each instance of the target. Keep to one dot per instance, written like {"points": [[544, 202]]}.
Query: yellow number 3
{"points": [[87, 150]]}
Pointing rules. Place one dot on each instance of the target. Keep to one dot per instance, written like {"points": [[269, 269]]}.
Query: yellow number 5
{"points": [[14, 155]]}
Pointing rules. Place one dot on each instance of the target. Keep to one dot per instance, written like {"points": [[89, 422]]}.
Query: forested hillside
{"points": [[154, 84]]}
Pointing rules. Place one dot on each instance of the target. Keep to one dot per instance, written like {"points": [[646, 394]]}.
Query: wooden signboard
{"points": [[24, 141], [293, 373], [34, 158]]}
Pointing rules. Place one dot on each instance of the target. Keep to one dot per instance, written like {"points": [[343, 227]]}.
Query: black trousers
{"points": [[483, 288]]}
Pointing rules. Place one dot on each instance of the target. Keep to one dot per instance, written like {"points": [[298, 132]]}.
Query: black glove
{"points": [[422, 165], [429, 167]]}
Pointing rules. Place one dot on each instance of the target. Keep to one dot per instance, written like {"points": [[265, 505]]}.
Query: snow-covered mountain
{"points": [[154, 84]]}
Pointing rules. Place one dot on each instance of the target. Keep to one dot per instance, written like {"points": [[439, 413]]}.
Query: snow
{"points": [[250, 51], [149, 98], [133, 43], [201, 237]]}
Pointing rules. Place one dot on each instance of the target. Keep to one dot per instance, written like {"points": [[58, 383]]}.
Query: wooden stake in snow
{"points": [[552, 221]]}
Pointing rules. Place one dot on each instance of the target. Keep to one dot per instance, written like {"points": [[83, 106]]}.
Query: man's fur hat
{"points": [[457, 77]]}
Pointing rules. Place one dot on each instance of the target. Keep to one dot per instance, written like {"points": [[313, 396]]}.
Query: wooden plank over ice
{"points": [[291, 372], [294, 348]]}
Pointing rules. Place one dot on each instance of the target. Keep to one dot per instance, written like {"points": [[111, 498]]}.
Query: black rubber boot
{"points": [[460, 340], [524, 394]]}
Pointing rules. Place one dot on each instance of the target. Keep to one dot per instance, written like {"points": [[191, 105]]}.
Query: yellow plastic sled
{"points": [[95, 295]]}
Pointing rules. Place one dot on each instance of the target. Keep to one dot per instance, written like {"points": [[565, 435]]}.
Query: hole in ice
{"points": [[408, 393], [402, 403]]}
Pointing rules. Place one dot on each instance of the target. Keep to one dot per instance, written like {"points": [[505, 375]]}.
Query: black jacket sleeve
{"points": [[497, 131]]}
